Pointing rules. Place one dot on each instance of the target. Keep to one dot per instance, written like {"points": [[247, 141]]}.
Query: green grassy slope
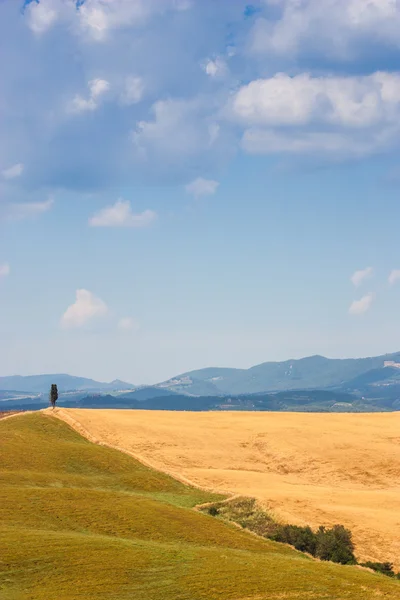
{"points": [[80, 521]]}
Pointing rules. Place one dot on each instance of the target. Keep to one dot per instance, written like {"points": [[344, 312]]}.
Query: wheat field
{"points": [[317, 469], [78, 520]]}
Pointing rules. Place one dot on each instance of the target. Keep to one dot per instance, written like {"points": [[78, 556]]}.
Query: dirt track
{"points": [[307, 468]]}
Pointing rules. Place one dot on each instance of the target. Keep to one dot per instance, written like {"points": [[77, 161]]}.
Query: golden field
{"points": [[319, 469], [82, 521]]}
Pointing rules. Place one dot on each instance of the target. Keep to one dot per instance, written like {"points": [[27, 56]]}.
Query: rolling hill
{"points": [[317, 469], [78, 520]]}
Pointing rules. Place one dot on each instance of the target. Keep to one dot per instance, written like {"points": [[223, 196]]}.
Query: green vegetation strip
{"points": [[81, 521], [333, 544]]}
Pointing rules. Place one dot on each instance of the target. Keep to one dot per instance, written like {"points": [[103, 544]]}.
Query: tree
{"points": [[53, 396], [336, 545]]}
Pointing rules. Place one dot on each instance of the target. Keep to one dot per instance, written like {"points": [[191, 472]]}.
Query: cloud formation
{"points": [[357, 115], [97, 18], [202, 187], [4, 270], [17, 211], [120, 214], [85, 308], [163, 119], [337, 29], [359, 307], [13, 172], [360, 276], [97, 87], [394, 276], [216, 67]]}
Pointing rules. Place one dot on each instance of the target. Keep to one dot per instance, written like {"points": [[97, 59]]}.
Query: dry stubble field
{"points": [[306, 468]]}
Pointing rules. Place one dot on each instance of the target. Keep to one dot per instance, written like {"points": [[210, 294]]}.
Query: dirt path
{"points": [[5, 416]]}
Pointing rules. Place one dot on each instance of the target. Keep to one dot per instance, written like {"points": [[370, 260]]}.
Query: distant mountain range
{"points": [[314, 383], [314, 372], [66, 383]]}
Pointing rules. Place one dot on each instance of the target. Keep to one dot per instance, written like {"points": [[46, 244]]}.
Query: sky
{"points": [[192, 183]]}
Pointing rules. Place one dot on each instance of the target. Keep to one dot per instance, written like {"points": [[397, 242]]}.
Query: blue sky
{"points": [[187, 183]]}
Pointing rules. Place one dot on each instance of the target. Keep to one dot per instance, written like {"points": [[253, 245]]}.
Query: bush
{"points": [[302, 538], [336, 545], [213, 511], [333, 544], [327, 544], [386, 568]]}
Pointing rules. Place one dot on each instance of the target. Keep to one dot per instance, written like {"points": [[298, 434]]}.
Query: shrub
{"points": [[213, 511], [386, 568], [336, 545], [327, 544], [302, 538]]}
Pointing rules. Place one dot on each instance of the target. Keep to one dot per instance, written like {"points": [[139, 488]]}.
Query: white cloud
{"points": [[121, 215], [359, 307], [97, 87], [360, 276], [4, 270], [13, 172], [97, 18], [333, 27], [86, 307], [202, 187], [133, 90], [216, 67], [128, 324], [394, 276], [353, 116], [342, 145], [100, 17], [301, 100], [42, 15], [18, 211], [180, 132]]}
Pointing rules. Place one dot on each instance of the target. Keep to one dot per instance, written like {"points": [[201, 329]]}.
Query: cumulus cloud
{"points": [[128, 324], [202, 187], [13, 172], [97, 18], [360, 276], [334, 28], [42, 15], [359, 307], [17, 211], [4, 270], [355, 115], [97, 87], [120, 214], [346, 101], [85, 308], [394, 276], [168, 123]]}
